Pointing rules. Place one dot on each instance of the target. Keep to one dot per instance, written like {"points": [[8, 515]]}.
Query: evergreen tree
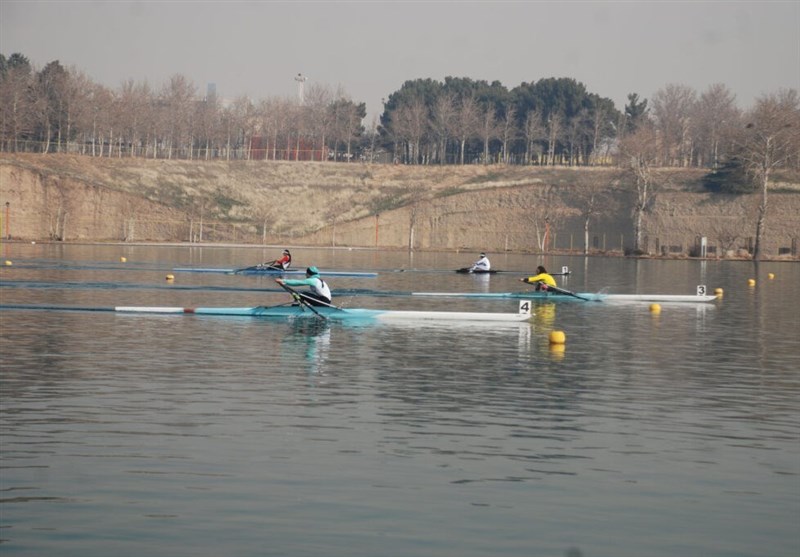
{"points": [[730, 177], [635, 112]]}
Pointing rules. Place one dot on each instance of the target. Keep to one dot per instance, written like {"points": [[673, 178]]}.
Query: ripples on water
{"points": [[674, 434]]}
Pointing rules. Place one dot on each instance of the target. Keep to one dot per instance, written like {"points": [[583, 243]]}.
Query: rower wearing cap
{"points": [[481, 264], [542, 279], [282, 264], [318, 294]]}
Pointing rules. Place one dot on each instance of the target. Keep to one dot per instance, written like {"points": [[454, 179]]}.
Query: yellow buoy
{"points": [[771, 276], [655, 308], [123, 259], [170, 277], [751, 282], [719, 292], [8, 262], [557, 337]]}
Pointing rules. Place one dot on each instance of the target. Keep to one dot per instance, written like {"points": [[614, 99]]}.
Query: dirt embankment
{"points": [[74, 198]]}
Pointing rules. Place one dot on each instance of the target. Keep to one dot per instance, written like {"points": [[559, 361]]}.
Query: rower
{"points": [[318, 294], [481, 264], [542, 279], [279, 264]]}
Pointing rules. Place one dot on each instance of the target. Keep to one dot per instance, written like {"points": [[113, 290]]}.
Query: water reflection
{"points": [[313, 338]]}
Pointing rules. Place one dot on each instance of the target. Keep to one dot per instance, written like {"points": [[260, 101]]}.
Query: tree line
{"points": [[553, 121], [61, 110]]}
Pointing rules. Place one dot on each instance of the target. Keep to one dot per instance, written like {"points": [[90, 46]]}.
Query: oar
{"points": [[565, 292], [302, 301], [257, 268]]}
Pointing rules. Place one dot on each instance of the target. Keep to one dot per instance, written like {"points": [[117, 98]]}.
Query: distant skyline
{"points": [[370, 48]]}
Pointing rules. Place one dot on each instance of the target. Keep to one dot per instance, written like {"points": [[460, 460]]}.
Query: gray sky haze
{"points": [[369, 48]]}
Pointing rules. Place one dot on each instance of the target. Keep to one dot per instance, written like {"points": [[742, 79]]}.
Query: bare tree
{"points": [[207, 124], [727, 232], [318, 99], [76, 93], [177, 97], [547, 216], [601, 127], [640, 153], [534, 132], [771, 138], [410, 123], [489, 129], [673, 107], [16, 102], [465, 124], [555, 124], [442, 118], [508, 131], [591, 198], [133, 102], [715, 116], [576, 131], [102, 100]]}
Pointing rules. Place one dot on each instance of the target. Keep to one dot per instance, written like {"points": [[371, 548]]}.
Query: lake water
{"points": [[671, 434]]}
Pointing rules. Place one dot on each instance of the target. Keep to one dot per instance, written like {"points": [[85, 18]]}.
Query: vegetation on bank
{"points": [[553, 122]]}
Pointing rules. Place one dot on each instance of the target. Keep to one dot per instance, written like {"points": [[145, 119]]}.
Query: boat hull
{"points": [[334, 314], [578, 297]]}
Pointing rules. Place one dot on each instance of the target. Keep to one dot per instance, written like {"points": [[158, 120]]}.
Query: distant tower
{"points": [[211, 91], [300, 79]]}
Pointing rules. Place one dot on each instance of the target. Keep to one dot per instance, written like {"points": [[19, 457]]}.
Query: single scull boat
{"points": [[267, 271], [565, 295], [338, 314]]}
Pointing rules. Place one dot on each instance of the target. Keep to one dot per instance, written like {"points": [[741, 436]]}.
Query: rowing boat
{"points": [[469, 270], [564, 295], [338, 314], [271, 272]]}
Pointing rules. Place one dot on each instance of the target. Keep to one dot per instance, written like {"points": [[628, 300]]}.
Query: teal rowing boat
{"points": [[337, 314]]}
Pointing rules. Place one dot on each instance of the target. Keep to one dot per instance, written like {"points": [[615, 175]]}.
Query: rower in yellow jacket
{"points": [[542, 280]]}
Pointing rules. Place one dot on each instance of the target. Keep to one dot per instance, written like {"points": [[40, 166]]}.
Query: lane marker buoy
{"points": [[655, 308], [557, 337]]}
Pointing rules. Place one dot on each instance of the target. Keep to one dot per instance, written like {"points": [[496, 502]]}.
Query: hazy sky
{"points": [[370, 48]]}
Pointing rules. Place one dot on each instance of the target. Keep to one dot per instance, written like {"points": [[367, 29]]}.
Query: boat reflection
{"points": [[315, 335]]}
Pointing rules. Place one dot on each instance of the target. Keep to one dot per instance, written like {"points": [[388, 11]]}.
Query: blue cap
{"points": [[312, 271]]}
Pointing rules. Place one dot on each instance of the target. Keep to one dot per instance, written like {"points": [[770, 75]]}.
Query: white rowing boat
{"points": [[561, 295]]}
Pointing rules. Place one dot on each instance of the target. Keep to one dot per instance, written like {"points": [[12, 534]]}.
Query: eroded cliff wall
{"points": [[472, 207]]}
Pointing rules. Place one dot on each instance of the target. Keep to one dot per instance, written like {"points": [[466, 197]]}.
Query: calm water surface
{"points": [[671, 434]]}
